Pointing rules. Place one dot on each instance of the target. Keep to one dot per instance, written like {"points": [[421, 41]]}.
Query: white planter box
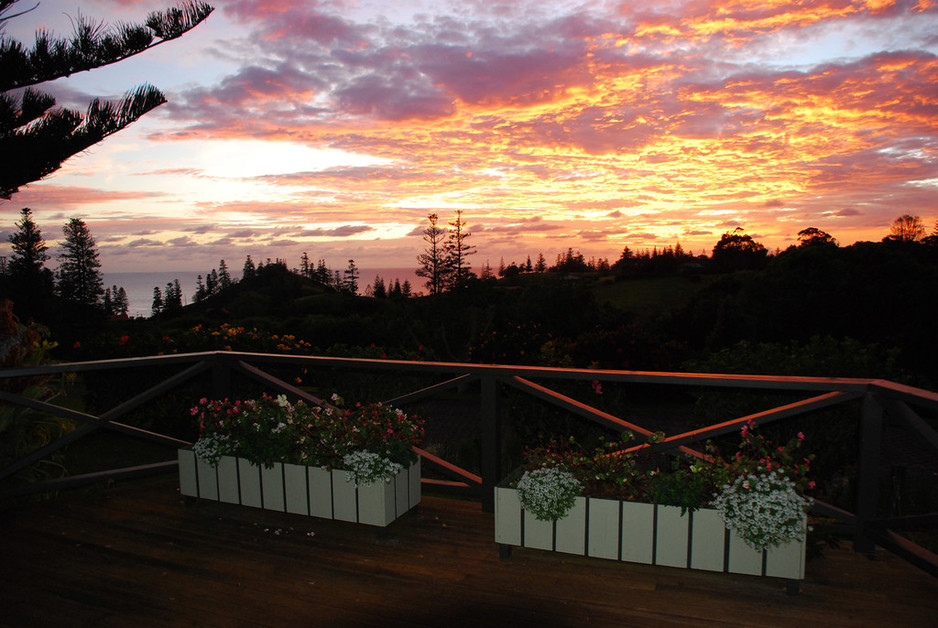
{"points": [[644, 533], [299, 489]]}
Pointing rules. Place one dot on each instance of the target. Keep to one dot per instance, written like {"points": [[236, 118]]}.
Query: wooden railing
{"points": [[909, 407]]}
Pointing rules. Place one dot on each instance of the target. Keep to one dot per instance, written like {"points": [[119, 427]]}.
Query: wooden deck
{"points": [[137, 554]]}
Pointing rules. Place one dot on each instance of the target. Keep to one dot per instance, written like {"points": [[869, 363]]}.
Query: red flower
{"points": [[124, 339]]}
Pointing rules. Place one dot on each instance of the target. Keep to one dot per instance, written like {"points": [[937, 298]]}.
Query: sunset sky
{"points": [[335, 127]]}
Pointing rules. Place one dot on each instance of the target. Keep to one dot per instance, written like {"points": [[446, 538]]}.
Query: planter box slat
{"points": [[249, 479], [295, 489], [538, 534], [603, 526], [272, 487], [344, 499], [638, 532], [508, 517], [671, 537], [320, 492], [708, 555], [570, 535]]}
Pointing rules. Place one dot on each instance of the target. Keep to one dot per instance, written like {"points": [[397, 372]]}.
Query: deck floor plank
{"points": [[139, 553]]}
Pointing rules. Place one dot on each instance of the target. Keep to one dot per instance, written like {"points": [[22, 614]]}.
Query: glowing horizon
{"points": [[336, 127]]}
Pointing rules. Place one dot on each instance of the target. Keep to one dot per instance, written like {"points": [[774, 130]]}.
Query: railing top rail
{"points": [[724, 380]]}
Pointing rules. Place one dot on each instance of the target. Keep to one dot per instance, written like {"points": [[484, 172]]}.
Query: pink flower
{"points": [[800, 435], [812, 484], [597, 387]]}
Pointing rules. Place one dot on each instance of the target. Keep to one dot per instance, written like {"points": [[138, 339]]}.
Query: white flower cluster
{"points": [[211, 447], [548, 492], [366, 467], [765, 510]]}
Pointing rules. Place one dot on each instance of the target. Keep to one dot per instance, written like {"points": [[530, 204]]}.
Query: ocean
{"points": [[139, 286]]}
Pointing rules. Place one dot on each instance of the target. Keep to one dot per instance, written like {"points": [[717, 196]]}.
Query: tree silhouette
{"points": [[37, 138], [29, 282], [812, 236], [906, 228], [456, 251], [432, 261], [350, 283], [737, 250], [79, 267]]}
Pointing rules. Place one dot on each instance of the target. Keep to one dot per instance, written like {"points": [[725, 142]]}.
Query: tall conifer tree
{"points": [[79, 267]]}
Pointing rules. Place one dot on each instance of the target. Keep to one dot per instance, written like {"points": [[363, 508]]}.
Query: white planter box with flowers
{"points": [[644, 533], [757, 523], [350, 465], [300, 489]]}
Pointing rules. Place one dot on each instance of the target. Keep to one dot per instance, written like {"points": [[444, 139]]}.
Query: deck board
{"points": [[139, 553]]}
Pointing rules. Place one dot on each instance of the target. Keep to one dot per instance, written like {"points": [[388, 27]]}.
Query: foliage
{"points": [[272, 429], [737, 250], [24, 430]]}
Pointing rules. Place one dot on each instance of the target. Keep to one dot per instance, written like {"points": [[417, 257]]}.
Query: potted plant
{"points": [[352, 464], [744, 515]]}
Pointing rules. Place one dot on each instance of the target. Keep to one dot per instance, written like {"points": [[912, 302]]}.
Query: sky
{"points": [[336, 127]]}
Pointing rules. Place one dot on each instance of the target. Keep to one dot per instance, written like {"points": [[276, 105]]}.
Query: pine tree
{"points": [[121, 302], [379, 291], [456, 252], [323, 274], [224, 277], [433, 260], [157, 306], [350, 283], [79, 266], [29, 249], [249, 271], [306, 269], [26, 281], [200, 291], [41, 136], [108, 305], [541, 265], [211, 283]]}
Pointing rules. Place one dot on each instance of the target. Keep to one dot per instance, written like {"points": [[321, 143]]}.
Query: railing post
{"points": [[867, 488], [491, 442], [221, 379]]}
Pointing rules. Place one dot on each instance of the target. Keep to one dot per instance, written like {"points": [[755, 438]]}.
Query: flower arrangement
{"points": [[758, 492], [372, 441]]}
